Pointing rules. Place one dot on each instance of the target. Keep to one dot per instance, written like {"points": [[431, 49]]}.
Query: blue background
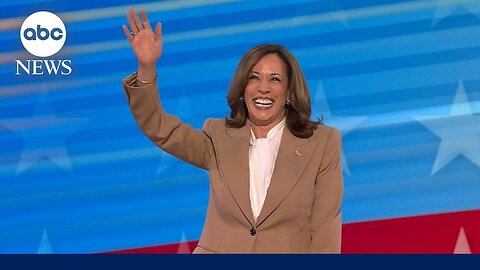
{"points": [[400, 79]]}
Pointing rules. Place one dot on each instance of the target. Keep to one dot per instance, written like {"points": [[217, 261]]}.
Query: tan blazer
{"points": [[301, 213]]}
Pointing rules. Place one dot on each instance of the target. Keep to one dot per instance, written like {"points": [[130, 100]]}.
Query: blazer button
{"points": [[253, 232]]}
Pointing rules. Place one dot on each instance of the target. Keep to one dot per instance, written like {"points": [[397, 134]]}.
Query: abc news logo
{"points": [[43, 34]]}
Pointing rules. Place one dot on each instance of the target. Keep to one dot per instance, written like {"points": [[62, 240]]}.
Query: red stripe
{"points": [[163, 249], [421, 234]]}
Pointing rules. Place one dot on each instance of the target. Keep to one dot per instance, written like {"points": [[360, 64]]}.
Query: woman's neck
{"points": [[261, 131]]}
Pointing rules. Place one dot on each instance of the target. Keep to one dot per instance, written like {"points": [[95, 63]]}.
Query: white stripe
{"points": [[109, 12], [82, 15], [252, 27]]}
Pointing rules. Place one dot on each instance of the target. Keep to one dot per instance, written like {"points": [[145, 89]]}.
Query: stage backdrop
{"points": [[400, 79]]}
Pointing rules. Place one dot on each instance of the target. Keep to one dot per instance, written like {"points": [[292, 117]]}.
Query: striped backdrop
{"points": [[400, 79]]}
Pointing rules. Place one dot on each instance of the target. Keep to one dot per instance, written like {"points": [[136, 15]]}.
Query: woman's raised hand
{"points": [[146, 43]]}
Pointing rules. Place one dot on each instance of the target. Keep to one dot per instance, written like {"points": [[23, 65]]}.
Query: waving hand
{"points": [[146, 43]]}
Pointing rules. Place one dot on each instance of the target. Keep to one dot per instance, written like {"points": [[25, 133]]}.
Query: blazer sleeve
{"points": [[326, 224], [165, 130]]}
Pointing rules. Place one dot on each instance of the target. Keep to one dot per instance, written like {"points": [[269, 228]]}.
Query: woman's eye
{"points": [[276, 79], [253, 77]]}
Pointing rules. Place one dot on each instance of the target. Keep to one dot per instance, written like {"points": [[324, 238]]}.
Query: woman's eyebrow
{"points": [[271, 74]]}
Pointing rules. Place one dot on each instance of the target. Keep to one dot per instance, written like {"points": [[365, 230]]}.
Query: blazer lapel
{"points": [[233, 151], [292, 158]]}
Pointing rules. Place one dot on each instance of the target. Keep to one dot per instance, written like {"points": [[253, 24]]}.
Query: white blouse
{"points": [[263, 153]]}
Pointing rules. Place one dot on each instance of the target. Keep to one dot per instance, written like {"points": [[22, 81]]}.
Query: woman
{"points": [[275, 176]]}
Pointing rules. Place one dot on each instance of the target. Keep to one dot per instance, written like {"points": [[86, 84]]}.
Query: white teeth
{"points": [[263, 101], [263, 105]]}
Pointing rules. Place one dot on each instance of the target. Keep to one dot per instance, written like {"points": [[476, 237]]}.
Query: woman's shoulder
{"points": [[323, 132], [214, 125]]}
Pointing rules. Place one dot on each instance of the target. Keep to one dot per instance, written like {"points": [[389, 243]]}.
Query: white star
{"points": [[445, 8], [184, 248], [459, 132], [344, 123], [44, 246], [166, 160], [36, 144], [462, 246]]}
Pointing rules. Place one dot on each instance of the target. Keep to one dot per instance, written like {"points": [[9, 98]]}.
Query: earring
{"points": [[288, 102]]}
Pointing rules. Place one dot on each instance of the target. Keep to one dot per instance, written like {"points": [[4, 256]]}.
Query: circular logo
{"points": [[43, 34]]}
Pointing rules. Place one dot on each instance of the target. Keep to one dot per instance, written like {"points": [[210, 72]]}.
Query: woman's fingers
{"points": [[137, 21], [131, 21], [127, 33], [145, 21], [158, 32]]}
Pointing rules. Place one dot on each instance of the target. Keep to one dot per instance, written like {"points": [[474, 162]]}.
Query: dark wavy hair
{"points": [[298, 111]]}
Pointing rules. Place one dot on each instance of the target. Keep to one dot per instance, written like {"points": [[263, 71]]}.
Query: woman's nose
{"points": [[263, 87]]}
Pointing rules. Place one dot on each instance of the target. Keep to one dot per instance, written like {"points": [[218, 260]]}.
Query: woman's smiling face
{"points": [[266, 91]]}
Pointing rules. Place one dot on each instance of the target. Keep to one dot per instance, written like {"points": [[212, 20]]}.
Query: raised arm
{"points": [[166, 131]]}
